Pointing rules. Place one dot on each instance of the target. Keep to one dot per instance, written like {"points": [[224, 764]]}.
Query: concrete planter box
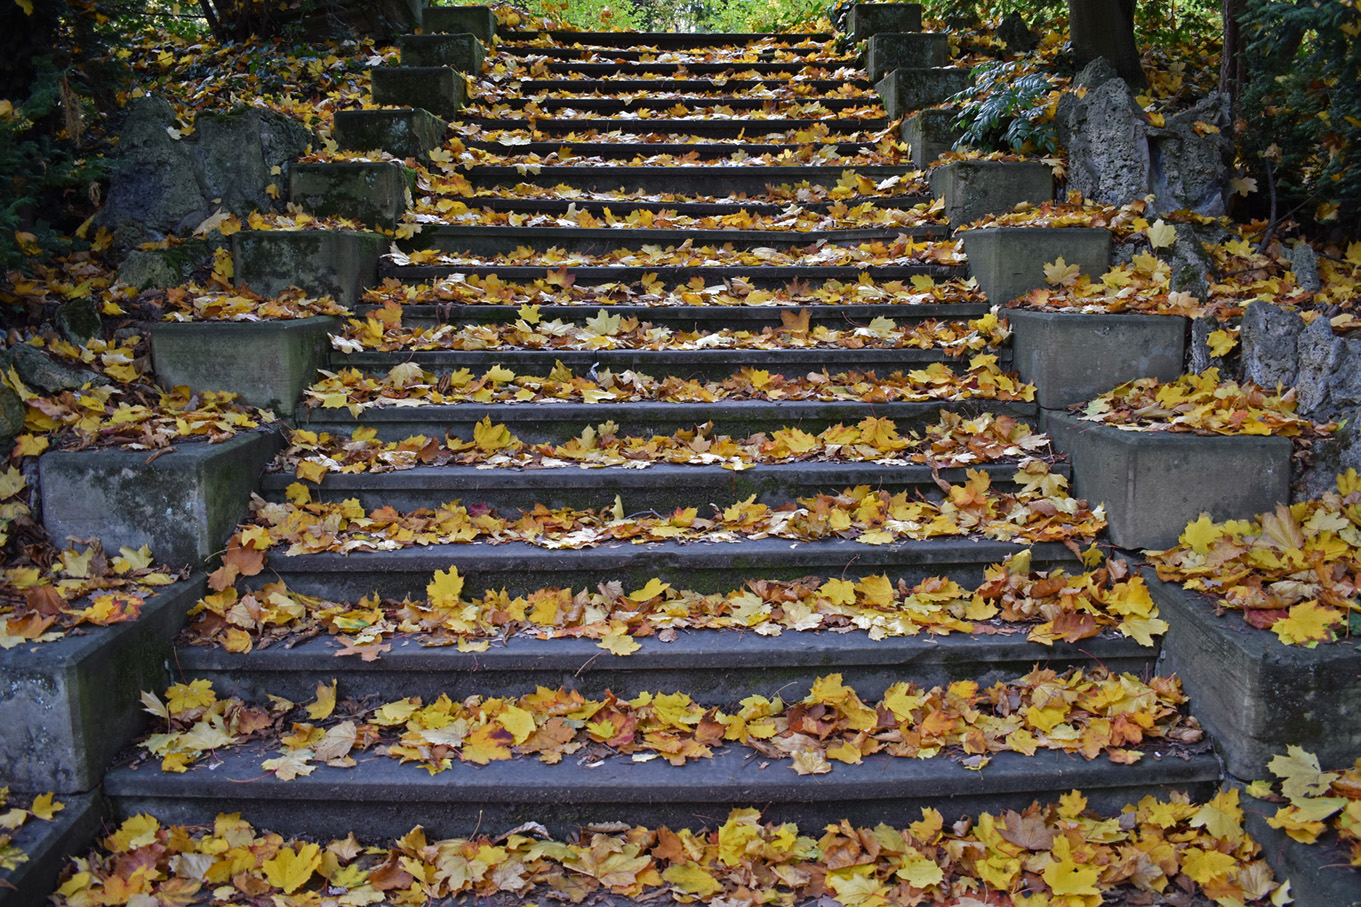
{"points": [[184, 504], [371, 193], [868, 19], [402, 132], [1319, 873], [929, 134], [478, 21], [1255, 695], [1073, 357], [462, 52], [887, 51], [906, 90], [321, 262], [1155, 482], [1009, 261], [48, 846], [974, 189], [67, 707], [439, 89], [267, 362]]}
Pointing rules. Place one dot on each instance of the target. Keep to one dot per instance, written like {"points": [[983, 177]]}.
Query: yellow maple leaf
{"points": [[45, 807], [1221, 817], [692, 878], [325, 704], [1061, 274], [290, 869], [1309, 624], [1222, 343], [1206, 866], [654, 588], [445, 588], [1201, 533], [1161, 234], [138, 831], [619, 643]]}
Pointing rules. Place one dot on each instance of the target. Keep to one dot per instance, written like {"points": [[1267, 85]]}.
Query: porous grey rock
{"points": [[1107, 142], [1199, 355], [1329, 377], [12, 412], [1332, 457], [1269, 338], [1095, 74], [1016, 34], [1304, 264], [1191, 264], [1189, 165], [78, 320], [41, 372], [161, 269], [234, 153]]}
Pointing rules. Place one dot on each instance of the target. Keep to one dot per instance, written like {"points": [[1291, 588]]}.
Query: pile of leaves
{"points": [[1201, 404], [1296, 572], [1075, 712], [1317, 801], [217, 303], [952, 441], [1051, 605], [1062, 853], [408, 385], [1039, 511], [382, 329], [44, 807]]}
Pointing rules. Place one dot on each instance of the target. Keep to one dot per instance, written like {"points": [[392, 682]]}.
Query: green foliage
{"points": [[767, 16], [589, 15], [1303, 103], [1007, 109], [44, 183]]}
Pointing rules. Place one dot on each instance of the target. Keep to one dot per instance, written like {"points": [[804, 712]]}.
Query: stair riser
{"points": [[695, 105], [723, 128], [559, 422], [661, 487], [709, 181], [631, 150], [622, 208], [771, 278], [702, 567], [662, 40], [596, 241], [707, 86]]}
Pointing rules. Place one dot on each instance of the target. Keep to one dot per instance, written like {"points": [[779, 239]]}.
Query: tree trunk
{"points": [[1231, 62], [1105, 28]]}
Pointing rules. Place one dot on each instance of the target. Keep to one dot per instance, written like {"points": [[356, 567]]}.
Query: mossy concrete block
{"points": [[910, 89], [373, 193], [1073, 357], [1320, 874], [464, 53], [478, 21], [48, 847], [1153, 483], [67, 707], [402, 132], [929, 134], [1009, 261], [1255, 695], [887, 51], [868, 19], [321, 262], [975, 189], [184, 503], [441, 90], [267, 362]]}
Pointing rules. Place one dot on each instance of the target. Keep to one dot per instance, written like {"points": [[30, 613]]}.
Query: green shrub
{"points": [[1007, 109]]}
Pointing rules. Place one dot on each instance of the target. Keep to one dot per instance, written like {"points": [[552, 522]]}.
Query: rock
{"points": [[153, 188], [1191, 264], [1332, 457], [1269, 338], [1188, 169], [1201, 359], [1327, 379], [1304, 263], [161, 269], [1107, 142], [1016, 35], [1095, 74], [79, 321], [235, 152], [43, 373], [12, 412]]}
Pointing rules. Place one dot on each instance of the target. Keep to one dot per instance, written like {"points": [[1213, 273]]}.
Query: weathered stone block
{"points": [[373, 193], [1320, 874], [1254, 695], [1072, 357], [402, 132], [867, 19], [1155, 482], [462, 52], [906, 90], [184, 504], [478, 21], [888, 51], [321, 262], [267, 362], [439, 89], [1329, 377], [48, 847], [929, 134], [1009, 261], [67, 707], [1269, 337], [974, 189]]}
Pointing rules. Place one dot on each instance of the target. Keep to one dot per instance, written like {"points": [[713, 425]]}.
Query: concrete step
{"points": [[722, 127], [716, 667], [626, 64], [698, 104], [688, 180], [624, 207], [662, 487], [521, 568], [381, 797], [599, 147], [558, 422], [498, 240], [694, 317], [700, 86], [766, 278], [638, 41]]}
